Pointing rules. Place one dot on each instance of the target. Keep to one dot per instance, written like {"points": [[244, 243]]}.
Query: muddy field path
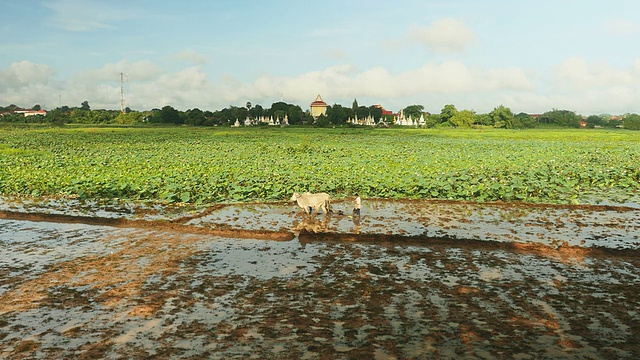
{"points": [[406, 279]]}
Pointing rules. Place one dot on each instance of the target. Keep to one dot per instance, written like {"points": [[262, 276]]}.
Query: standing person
{"points": [[357, 202]]}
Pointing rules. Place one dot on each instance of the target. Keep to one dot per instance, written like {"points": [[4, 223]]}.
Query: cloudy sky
{"points": [[531, 56]]}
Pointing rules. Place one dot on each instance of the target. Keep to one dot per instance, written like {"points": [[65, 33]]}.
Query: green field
{"points": [[215, 165]]}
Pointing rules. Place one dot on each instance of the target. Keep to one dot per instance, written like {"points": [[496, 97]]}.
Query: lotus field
{"points": [[218, 165]]}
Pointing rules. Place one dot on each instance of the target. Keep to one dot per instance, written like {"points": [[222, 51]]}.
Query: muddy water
{"points": [[405, 280]]}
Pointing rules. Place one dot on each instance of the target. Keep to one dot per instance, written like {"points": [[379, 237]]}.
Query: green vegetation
{"points": [[336, 115], [212, 165]]}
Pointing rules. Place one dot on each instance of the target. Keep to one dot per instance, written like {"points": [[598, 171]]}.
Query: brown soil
{"points": [[406, 279]]}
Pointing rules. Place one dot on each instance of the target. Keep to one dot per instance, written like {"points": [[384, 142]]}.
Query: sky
{"points": [[530, 56]]}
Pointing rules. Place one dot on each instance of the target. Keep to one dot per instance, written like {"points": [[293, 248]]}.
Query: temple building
{"points": [[318, 107], [400, 119]]}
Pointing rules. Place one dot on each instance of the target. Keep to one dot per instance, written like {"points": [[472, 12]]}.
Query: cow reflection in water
{"points": [[321, 201], [311, 224]]}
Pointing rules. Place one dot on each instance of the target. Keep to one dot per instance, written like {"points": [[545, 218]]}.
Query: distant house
{"points": [[29, 112], [318, 107], [384, 111]]}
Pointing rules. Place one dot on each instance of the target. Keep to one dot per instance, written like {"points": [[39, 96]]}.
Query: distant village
{"points": [[319, 107], [319, 113], [26, 112]]}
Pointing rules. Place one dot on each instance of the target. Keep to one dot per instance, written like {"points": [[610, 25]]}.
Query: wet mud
{"points": [[405, 280]]}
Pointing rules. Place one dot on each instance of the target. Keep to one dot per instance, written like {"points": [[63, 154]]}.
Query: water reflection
{"points": [[356, 222], [163, 292], [311, 224]]}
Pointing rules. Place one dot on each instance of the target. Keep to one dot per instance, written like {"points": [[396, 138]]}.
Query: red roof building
{"points": [[384, 111], [318, 107]]}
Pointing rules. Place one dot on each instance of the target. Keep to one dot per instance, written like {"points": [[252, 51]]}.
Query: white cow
{"points": [[308, 201]]}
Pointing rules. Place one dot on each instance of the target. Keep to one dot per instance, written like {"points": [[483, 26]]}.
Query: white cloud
{"points": [[191, 57], [594, 88], [84, 15], [447, 77], [187, 88], [511, 78], [25, 84], [575, 85], [24, 73], [636, 68], [192, 88], [139, 71], [447, 35], [574, 72], [338, 84]]}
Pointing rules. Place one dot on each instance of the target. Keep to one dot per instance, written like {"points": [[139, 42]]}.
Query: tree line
{"points": [[336, 115]]}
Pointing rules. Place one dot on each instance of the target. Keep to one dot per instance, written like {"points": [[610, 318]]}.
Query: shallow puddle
{"points": [[405, 280]]}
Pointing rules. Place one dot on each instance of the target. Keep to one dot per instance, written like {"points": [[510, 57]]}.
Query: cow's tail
{"points": [[327, 204]]}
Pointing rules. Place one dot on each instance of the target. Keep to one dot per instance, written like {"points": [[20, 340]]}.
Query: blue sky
{"points": [[531, 56]]}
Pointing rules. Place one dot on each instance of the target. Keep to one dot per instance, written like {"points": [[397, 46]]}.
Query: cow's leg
{"points": [[324, 208], [304, 208], [316, 208]]}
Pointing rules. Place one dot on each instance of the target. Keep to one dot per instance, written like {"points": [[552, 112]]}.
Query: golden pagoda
{"points": [[318, 107]]}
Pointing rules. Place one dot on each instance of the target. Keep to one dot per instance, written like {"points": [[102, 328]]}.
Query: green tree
{"points": [[524, 121], [256, 111], [415, 111], [80, 116], [354, 106], [12, 107], [432, 120], [194, 117], [363, 112], [103, 116], [85, 105], [240, 112], [337, 114], [502, 117], [376, 112], [59, 116], [167, 115], [323, 121], [222, 117], [36, 107], [228, 116], [484, 119], [464, 118], [129, 118], [307, 118], [632, 122], [278, 106], [447, 113], [295, 114], [279, 114], [595, 120], [563, 118]]}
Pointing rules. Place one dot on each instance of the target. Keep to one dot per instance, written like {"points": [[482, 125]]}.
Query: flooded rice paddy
{"points": [[405, 280]]}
